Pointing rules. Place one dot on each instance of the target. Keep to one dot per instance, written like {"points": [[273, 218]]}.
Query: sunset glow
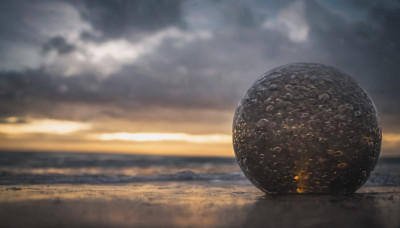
{"points": [[47, 134], [42, 126], [62, 135], [390, 140], [152, 137]]}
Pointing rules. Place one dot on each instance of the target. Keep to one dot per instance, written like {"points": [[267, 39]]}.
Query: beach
{"points": [[100, 190]]}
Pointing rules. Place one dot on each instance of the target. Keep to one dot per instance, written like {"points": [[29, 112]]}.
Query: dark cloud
{"points": [[12, 26], [120, 18], [201, 74], [368, 50], [58, 44], [37, 93]]}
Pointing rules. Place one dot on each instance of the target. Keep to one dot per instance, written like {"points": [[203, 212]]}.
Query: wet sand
{"points": [[192, 204]]}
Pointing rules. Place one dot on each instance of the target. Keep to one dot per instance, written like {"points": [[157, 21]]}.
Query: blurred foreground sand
{"points": [[192, 204]]}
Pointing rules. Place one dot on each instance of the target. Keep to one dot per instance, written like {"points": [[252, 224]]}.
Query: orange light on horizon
{"points": [[74, 136], [42, 126], [390, 140], [66, 135], [153, 137]]}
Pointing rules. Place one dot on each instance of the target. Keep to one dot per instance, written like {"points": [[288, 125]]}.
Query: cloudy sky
{"points": [[164, 77]]}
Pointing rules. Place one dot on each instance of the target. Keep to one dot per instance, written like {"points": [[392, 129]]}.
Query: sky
{"points": [[165, 77]]}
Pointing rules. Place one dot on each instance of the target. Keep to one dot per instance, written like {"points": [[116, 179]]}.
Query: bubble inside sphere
{"points": [[306, 128]]}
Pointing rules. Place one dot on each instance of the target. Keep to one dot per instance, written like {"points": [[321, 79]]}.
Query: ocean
{"points": [[91, 168]]}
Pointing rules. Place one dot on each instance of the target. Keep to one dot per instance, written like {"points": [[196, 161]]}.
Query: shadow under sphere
{"points": [[359, 210]]}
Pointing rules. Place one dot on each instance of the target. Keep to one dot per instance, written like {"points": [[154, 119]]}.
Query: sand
{"points": [[192, 204]]}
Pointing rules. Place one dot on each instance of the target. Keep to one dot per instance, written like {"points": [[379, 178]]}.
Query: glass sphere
{"points": [[306, 128]]}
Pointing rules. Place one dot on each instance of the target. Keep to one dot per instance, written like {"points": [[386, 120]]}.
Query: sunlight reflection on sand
{"points": [[194, 204]]}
